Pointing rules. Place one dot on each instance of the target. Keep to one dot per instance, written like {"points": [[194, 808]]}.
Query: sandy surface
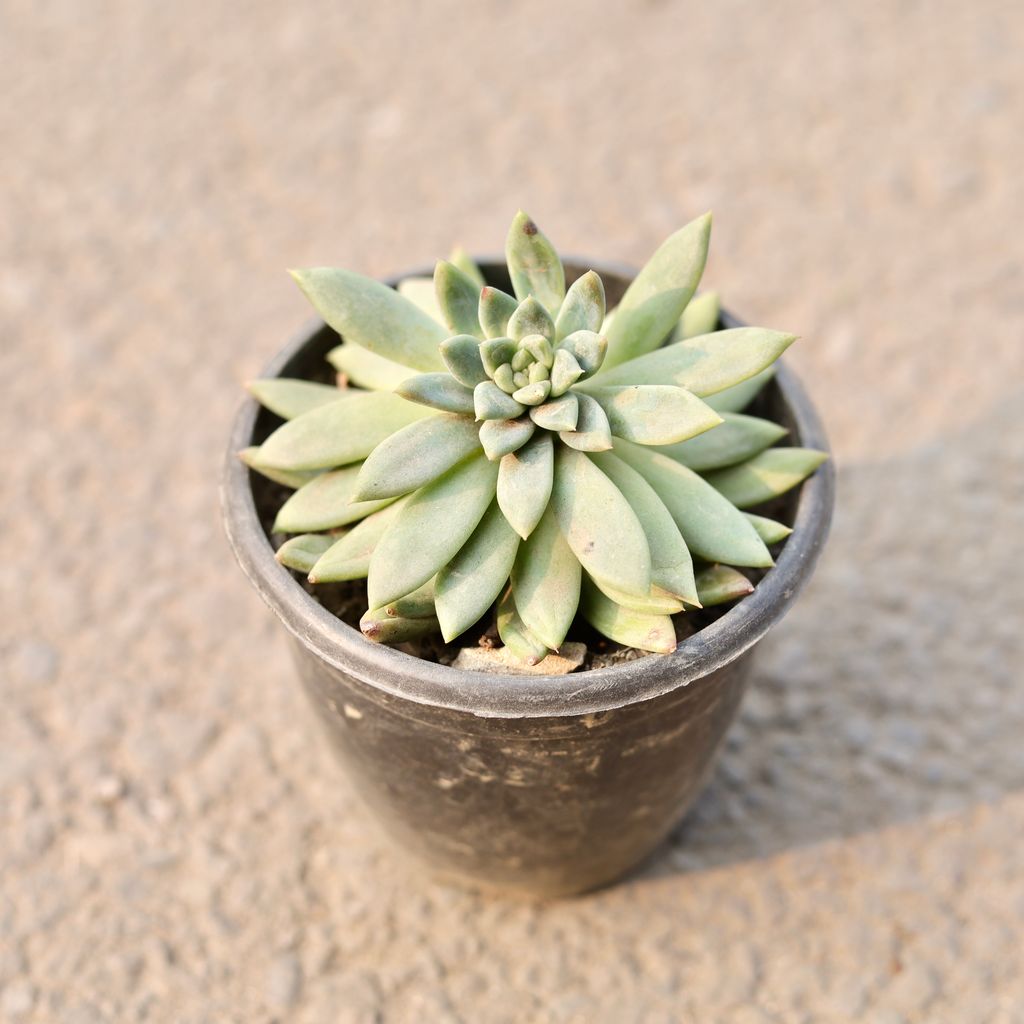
{"points": [[177, 845]]}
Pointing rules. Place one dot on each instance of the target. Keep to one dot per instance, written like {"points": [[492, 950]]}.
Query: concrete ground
{"points": [[177, 845]]}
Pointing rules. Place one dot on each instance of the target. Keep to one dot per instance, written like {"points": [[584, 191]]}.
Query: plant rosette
{"points": [[515, 456]]}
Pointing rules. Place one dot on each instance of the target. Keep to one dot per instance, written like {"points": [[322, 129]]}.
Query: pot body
{"points": [[533, 785], [544, 806]]}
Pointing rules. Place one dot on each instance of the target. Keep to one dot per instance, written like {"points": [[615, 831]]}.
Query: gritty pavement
{"points": [[176, 844]]}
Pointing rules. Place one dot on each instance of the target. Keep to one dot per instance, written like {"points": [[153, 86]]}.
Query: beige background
{"points": [[176, 844]]}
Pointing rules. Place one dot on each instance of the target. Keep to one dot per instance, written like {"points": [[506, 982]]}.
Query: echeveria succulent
{"points": [[531, 453]]}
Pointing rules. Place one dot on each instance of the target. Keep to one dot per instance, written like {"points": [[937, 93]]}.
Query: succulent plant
{"points": [[531, 452]]}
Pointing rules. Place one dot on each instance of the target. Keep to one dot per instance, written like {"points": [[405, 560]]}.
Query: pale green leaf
{"points": [[644, 631], [583, 308], [599, 524], [496, 307], [529, 318], [502, 437], [326, 503], [348, 558], [739, 396], [514, 634], [658, 295], [386, 626], [735, 439], [524, 483], [286, 477], [468, 266], [654, 413], [421, 293], [370, 314], [491, 403], [770, 531], [290, 398], [416, 455], [533, 264], [671, 564], [700, 315], [589, 349], [533, 394], [655, 602], [339, 433], [364, 368], [713, 528], [461, 355], [474, 578], [718, 584], [765, 476], [433, 525], [496, 352], [592, 433], [540, 348], [458, 298], [707, 364], [420, 604], [438, 391], [301, 553], [546, 583], [565, 371], [557, 413]]}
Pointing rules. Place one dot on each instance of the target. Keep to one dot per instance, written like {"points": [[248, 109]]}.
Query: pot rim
{"points": [[493, 695]]}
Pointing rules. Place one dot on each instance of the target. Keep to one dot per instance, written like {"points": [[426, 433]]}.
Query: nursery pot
{"points": [[534, 785]]}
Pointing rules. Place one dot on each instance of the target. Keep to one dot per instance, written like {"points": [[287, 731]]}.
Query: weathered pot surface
{"points": [[533, 785]]}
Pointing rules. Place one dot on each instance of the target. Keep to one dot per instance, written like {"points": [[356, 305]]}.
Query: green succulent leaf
{"points": [[362, 367], [700, 315], [655, 300], [592, 433], [583, 308], [718, 584], [644, 631], [533, 394], [496, 308], [654, 602], [713, 528], [707, 364], [587, 348], [735, 439], [533, 264], [301, 553], [420, 604], [338, 433], [421, 293], [502, 437], [431, 528], [599, 524], [286, 477], [382, 626], [374, 316], [529, 318], [565, 371], [326, 502], [438, 391], [491, 403], [739, 396], [671, 564], [461, 354], [474, 578], [496, 352], [765, 476], [468, 266], [654, 413], [348, 558], [290, 398], [540, 348], [416, 455], [524, 483], [546, 583], [770, 531], [557, 413], [458, 298], [514, 634]]}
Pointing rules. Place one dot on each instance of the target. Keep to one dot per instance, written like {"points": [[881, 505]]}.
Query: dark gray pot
{"points": [[541, 786]]}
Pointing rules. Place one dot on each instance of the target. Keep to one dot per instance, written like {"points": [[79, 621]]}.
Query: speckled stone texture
{"points": [[177, 845]]}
